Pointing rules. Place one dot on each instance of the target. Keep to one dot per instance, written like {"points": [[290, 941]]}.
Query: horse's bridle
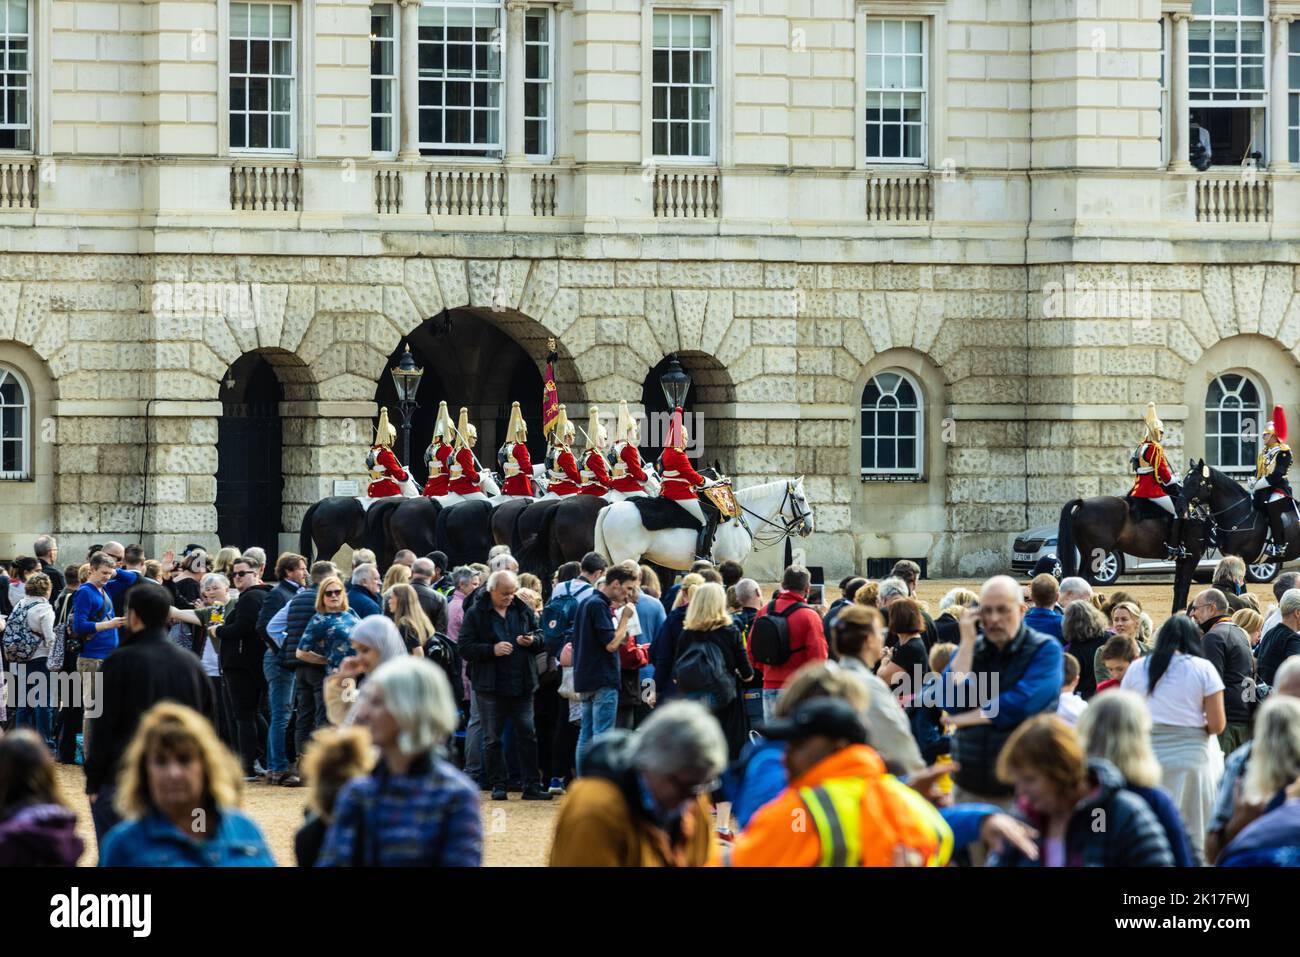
{"points": [[1196, 503], [784, 528]]}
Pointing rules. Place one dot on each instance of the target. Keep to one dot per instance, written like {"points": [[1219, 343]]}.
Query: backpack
{"points": [[442, 651], [19, 640], [558, 619], [769, 635], [701, 673]]}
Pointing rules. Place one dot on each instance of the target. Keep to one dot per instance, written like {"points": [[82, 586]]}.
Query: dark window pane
{"points": [[259, 56], [886, 453], [907, 454], [238, 56], [659, 63], [259, 134], [868, 454], [888, 423]]}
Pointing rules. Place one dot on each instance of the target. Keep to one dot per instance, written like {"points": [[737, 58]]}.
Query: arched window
{"points": [[892, 427], [15, 425], [1234, 414]]}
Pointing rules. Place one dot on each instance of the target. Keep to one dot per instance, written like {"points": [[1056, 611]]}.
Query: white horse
{"points": [[770, 512], [651, 488], [488, 489]]}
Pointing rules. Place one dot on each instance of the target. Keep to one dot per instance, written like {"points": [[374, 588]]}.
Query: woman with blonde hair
{"points": [[1117, 728], [868, 594], [334, 757], [664, 651], [397, 575], [950, 609], [1265, 828], [224, 563], [412, 623], [1251, 622], [710, 658], [179, 791]]}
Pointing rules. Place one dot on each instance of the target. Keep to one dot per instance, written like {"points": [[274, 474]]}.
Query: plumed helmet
{"points": [[1277, 424], [676, 430], [1154, 426], [596, 438], [517, 430], [385, 434], [442, 429], [468, 434], [627, 427]]}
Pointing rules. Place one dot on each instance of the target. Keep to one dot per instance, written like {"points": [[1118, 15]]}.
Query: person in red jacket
{"points": [[516, 466], [629, 478], [807, 636], [1153, 478], [595, 470], [437, 458], [464, 468], [562, 475], [384, 468], [679, 481]]}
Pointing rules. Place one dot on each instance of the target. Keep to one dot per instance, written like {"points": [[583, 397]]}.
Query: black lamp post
{"points": [[406, 377], [675, 383]]}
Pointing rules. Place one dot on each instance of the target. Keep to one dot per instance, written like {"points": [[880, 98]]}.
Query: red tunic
{"points": [[520, 482], [564, 478], [1149, 484], [466, 482], [386, 462], [679, 479], [595, 474], [439, 471], [629, 464]]}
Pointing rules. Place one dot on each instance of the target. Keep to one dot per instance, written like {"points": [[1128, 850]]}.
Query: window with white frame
{"points": [[892, 427], [15, 425], [1164, 89], [683, 86], [262, 57], [461, 78], [1293, 92], [896, 91], [383, 78], [1234, 409], [1227, 67], [539, 82], [15, 75]]}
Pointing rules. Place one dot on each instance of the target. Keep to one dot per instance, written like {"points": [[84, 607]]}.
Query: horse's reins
{"points": [[1195, 502], [784, 529]]}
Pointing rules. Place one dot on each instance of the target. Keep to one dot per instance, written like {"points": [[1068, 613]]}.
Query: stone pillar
{"points": [[514, 92], [1279, 158], [1179, 127], [409, 70], [564, 50]]}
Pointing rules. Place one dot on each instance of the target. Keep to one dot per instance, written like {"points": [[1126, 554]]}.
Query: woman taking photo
{"points": [[1062, 795], [374, 641], [414, 809], [1184, 695], [179, 791], [1117, 727], [413, 625], [707, 621]]}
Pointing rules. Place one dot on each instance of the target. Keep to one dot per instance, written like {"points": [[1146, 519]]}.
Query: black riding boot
{"points": [[704, 543], [1175, 543], [1275, 512]]}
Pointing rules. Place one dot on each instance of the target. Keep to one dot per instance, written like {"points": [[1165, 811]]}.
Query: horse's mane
{"points": [[1223, 482]]}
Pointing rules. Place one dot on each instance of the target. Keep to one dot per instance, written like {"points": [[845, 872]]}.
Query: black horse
{"points": [[414, 525], [1093, 528], [464, 532], [341, 520], [1239, 528]]}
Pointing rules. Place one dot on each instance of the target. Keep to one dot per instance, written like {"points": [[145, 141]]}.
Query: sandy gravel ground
{"points": [[518, 834]]}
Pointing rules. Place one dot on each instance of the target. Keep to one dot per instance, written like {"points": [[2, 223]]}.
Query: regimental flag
{"points": [[550, 398]]}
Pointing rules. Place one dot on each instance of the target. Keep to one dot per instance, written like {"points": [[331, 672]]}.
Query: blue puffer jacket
{"points": [[1132, 835], [154, 841], [1272, 840], [302, 609]]}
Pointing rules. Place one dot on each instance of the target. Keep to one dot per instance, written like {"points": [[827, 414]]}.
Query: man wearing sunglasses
{"points": [[241, 658]]}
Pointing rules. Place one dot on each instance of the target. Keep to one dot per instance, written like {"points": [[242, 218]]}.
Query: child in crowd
{"points": [[1071, 705], [1117, 654]]}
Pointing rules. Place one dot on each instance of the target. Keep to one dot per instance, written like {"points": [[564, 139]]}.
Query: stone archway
{"points": [[710, 410]]}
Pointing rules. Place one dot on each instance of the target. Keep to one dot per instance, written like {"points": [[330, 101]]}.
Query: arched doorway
{"points": [[249, 456], [470, 358], [708, 408]]}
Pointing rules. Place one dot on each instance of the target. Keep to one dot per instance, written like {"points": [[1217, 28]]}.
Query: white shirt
{"points": [[211, 667], [1180, 694], [1274, 618], [1070, 707]]}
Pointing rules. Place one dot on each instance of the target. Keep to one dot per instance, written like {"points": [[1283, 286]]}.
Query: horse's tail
{"points": [[304, 535], [1065, 550], [598, 535]]}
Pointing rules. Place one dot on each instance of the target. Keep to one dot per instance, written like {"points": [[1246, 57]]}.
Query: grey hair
{"points": [[1117, 726], [1290, 602], [1275, 757], [1288, 673], [462, 575], [43, 545], [363, 556], [214, 578], [379, 633], [958, 597], [362, 572], [502, 575], [681, 736], [496, 550], [1075, 586], [747, 590], [256, 556], [423, 567], [503, 562], [893, 588], [418, 696]]}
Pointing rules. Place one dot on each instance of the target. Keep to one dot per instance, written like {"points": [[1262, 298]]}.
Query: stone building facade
{"points": [[974, 219]]}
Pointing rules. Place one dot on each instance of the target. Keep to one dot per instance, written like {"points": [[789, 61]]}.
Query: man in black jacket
{"points": [[290, 573], [500, 639], [309, 679], [240, 650], [1227, 647], [434, 604], [134, 678]]}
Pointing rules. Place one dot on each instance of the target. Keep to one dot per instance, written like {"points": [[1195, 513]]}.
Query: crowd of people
{"points": [[683, 726]]}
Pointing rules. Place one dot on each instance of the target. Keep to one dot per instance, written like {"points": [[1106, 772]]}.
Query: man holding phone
{"points": [[95, 622], [500, 638]]}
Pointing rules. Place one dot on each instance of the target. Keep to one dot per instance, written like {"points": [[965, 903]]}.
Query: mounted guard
{"points": [[1155, 480], [437, 458], [387, 473], [680, 482], [516, 465], [595, 470], [465, 478], [629, 477], [1271, 490], [563, 477]]}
